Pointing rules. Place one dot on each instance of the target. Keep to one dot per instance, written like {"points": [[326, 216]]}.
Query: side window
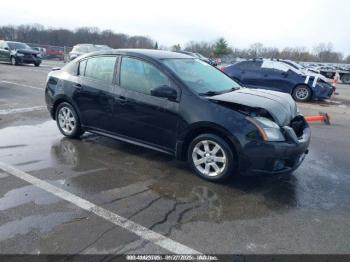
{"points": [[242, 65], [100, 68], [140, 76], [268, 67], [256, 65], [81, 69]]}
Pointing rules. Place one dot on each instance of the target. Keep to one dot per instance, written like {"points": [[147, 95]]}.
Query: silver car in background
{"points": [[81, 49]]}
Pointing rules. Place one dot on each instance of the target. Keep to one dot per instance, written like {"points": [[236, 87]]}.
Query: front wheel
{"points": [[68, 121], [211, 157], [14, 60], [301, 93], [36, 64]]}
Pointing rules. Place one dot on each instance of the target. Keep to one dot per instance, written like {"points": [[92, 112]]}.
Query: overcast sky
{"points": [[275, 23]]}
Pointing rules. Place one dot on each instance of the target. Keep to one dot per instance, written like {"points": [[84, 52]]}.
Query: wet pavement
{"points": [[304, 212]]}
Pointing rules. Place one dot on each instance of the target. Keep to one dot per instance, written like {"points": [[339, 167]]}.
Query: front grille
{"points": [[298, 125]]}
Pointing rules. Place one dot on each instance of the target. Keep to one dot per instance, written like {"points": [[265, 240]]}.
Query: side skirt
{"points": [[130, 140]]}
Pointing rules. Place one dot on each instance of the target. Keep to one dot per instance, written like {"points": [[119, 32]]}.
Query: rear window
{"points": [[100, 68]]}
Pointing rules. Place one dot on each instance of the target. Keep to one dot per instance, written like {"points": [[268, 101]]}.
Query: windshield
{"points": [[200, 76], [16, 46]]}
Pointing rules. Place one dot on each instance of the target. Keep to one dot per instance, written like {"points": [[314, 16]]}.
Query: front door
{"points": [[137, 113], [4, 52]]}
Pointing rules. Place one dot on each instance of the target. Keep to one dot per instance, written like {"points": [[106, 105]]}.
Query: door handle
{"points": [[78, 86], [122, 100]]}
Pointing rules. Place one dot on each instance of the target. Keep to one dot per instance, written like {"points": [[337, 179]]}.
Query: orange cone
{"points": [[323, 117]]}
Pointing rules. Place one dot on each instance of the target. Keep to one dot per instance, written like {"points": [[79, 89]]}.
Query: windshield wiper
{"points": [[213, 93], [231, 89], [210, 93]]}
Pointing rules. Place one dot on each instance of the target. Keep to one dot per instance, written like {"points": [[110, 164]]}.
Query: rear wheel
{"points": [[302, 93], [211, 157], [68, 121]]}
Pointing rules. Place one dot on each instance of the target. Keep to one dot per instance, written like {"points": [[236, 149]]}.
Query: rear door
{"points": [[94, 91], [251, 74]]}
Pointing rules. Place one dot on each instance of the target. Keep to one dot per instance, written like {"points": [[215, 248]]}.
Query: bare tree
{"points": [[37, 33]]}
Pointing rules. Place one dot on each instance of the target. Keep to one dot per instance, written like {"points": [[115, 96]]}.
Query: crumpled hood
{"points": [[281, 106]]}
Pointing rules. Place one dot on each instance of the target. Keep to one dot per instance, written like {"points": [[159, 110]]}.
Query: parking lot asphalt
{"points": [[304, 212]]}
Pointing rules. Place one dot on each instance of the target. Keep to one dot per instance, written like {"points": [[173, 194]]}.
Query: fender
{"points": [[203, 127], [64, 98]]}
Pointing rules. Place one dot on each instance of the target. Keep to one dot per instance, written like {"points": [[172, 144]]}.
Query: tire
{"points": [[203, 163], [13, 60], [36, 64], [302, 93], [68, 121]]}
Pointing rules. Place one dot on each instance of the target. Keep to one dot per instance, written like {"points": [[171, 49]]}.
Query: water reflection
{"points": [[194, 199]]}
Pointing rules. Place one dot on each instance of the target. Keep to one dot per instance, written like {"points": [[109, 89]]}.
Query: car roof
{"points": [[14, 42], [151, 53]]}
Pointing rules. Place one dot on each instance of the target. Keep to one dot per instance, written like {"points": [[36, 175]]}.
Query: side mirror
{"points": [[165, 92], [6, 48]]}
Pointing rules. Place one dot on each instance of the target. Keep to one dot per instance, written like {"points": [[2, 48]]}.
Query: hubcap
{"points": [[209, 158], [66, 120], [302, 93]]}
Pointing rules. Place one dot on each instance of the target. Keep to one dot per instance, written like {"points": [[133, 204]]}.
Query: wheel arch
{"points": [[302, 84], [61, 99], [206, 128]]}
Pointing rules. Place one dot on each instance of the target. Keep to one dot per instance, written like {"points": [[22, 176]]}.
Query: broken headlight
{"points": [[268, 129]]}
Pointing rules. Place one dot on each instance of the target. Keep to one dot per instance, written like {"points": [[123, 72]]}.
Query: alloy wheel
{"points": [[209, 158], [302, 93], [66, 120]]}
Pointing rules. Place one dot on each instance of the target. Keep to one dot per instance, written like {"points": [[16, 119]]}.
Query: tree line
{"points": [[36, 33], [63, 37], [323, 52]]}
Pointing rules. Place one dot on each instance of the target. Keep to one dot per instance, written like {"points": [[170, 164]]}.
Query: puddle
{"points": [[28, 146], [24, 195], [43, 224]]}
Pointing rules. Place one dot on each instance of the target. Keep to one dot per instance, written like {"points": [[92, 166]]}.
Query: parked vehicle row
{"points": [[179, 105], [280, 76], [329, 70]]}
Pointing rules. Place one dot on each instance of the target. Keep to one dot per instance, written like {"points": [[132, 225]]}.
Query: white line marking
{"points": [[21, 110], [141, 231], [18, 84]]}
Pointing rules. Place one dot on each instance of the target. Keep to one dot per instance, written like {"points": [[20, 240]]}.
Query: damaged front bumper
{"points": [[263, 157]]}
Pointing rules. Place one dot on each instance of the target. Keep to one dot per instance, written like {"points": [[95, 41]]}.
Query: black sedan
{"points": [[19, 53], [179, 105]]}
